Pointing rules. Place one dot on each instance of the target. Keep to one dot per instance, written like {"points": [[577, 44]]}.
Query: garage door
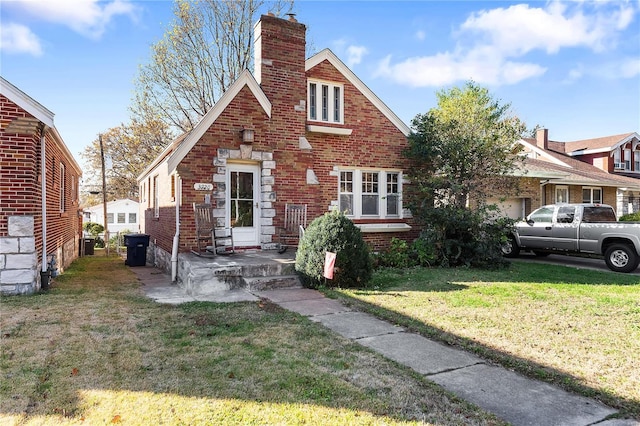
{"points": [[511, 207]]}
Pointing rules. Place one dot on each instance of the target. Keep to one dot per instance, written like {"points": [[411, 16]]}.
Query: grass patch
{"points": [[94, 350], [579, 329]]}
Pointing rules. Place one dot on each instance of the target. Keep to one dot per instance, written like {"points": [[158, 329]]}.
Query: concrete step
{"points": [[200, 276], [272, 282]]}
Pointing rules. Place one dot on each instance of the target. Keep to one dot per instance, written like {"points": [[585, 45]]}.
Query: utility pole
{"points": [[104, 198]]}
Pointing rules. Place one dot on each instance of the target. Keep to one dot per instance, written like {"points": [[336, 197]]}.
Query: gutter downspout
{"points": [[43, 171], [176, 237]]}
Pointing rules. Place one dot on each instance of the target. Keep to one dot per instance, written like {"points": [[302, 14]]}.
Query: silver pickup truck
{"points": [[578, 229]]}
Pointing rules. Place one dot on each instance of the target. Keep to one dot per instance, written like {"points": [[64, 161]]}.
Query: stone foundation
{"points": [[18, 258]]}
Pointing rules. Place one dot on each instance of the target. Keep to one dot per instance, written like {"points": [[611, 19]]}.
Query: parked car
{"points": [[578, 229]]}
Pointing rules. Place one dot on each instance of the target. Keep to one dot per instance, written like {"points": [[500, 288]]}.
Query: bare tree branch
{"points": [[203, 52]]}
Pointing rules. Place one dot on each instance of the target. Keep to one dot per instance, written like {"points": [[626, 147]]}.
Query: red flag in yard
{"points": [[329, 264]]}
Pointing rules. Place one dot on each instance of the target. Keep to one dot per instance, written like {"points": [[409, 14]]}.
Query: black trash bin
{"points": [[136, 249], [88, 244]]}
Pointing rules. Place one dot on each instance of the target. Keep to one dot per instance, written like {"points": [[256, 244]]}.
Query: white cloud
{"points": [[491, 43], [355, 54], [622, 69], [446, 68], [420, 35], [519, 29], [87, 17], [16, 38]]}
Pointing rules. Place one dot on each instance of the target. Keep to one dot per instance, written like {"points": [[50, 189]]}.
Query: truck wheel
{"points": [[621, 258], [510, 248]]}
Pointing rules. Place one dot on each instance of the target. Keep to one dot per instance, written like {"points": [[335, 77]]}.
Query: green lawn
{"points": [[94, 350], [576, 328]]}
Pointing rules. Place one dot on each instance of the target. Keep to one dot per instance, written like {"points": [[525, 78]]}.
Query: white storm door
{"points": [[243, 203]]}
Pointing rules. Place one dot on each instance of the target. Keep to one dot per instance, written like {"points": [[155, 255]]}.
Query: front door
{"points": [[243, 203]]}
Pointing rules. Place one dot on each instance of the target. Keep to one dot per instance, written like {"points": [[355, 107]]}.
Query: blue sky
{"points": [[573, 67]]}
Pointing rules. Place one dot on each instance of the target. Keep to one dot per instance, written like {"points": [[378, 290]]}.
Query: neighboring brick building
{"points": [[562, 178], [32, 151], [618, 155], [295, 131]]}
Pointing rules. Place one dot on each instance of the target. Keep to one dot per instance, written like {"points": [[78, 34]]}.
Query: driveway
{"points": [[571, 261]]}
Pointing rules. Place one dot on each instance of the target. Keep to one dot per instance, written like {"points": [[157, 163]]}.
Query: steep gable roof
{"points": [[532, 150], [39, 112], [26, 102], [328, 55], [562, 169], [245, 79], [599, 145]]}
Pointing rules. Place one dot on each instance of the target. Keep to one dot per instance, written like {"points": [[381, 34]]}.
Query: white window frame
{"points": [[591, 189], [559, 189], [627, 159], [325, 107], [62, 188], [156, 200], [133, 216], [358, 187], [122, 216], [636, 160]]}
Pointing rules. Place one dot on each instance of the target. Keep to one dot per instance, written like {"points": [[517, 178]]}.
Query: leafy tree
{"points": [[463, 152], [204, 51], [128, 150]]}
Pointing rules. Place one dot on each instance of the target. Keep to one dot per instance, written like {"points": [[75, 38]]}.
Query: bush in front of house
{"points": [[333, 232], [465, 237], [630, 217], [402, 254]]}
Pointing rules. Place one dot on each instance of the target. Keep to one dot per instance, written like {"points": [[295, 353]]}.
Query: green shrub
{"points": [[396, 256], [93, 228], [401, 254], [465, 237], [333, 232], [99, 243], [630, 217]]}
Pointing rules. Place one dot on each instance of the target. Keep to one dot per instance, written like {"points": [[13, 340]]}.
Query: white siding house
{"points": [[121, 215]]}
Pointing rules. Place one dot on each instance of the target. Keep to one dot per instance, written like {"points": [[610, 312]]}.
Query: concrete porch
{"points": [[249, 270]]}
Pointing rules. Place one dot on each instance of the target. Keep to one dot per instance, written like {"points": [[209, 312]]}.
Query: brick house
{"points": [[549, 175], [295, 131], [618, 155], [38, 178]]}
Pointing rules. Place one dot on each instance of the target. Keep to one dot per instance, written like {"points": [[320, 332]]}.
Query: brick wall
{"points": [[20, 190]]}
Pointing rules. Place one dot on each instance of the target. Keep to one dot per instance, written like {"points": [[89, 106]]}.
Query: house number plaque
{"points": [[203, 187]]}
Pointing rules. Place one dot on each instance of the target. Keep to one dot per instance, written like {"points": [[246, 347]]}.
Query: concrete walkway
{"points": [[511, 396]]}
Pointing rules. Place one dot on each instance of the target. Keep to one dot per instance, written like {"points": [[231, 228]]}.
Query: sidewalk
{"points": [[511, 396]]}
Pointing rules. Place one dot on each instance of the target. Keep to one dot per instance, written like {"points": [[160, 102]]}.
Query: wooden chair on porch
{"points": [[295, 222], [211, 239]]}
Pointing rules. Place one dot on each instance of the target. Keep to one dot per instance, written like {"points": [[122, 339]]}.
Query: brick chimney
{"points": [[542, 138], [279, 56]]}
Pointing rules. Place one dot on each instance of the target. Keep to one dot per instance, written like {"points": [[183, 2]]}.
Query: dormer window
{"points": [[325, 102]]}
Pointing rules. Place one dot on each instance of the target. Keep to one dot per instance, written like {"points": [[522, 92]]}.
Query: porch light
{"points": [[247, 134]]}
